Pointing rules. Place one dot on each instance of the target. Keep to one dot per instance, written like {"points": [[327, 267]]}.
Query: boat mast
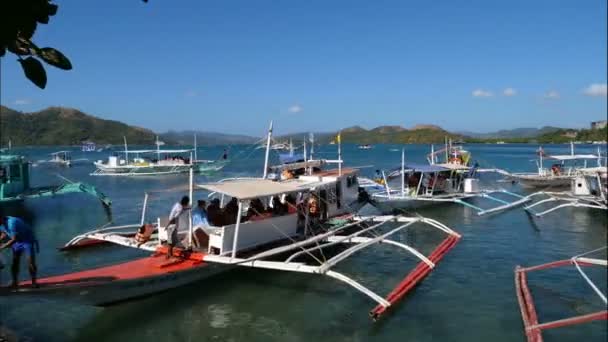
{"points": [[126, 149], [191, 194], [195, 150], [157, 148], [447, 152], [403, 171], [267, 150], [290, 147], [571, 148], [432, 154], [339, 153], [540, 158], [305, 152]]}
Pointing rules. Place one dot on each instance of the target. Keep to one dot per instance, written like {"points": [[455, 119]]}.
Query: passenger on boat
{"points": [[256, 207], [199, 214], [144, 233], [230, 211], [21, 239], [225, 155], [175, 220], [214, 213], [314, 212]]}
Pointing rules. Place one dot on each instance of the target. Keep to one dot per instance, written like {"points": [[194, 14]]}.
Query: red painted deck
{"points": [[154, 265]]}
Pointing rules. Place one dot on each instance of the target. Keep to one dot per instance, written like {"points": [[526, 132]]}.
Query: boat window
{"points": [[15, 172]]}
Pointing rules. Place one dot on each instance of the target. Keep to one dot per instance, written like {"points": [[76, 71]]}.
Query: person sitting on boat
{"points": [[556, 169], [21, 239], [144, 233], [314, 212], [214, 213], [230, 211], [287, 174], [176, 218], [256, 208], [199, 215]]}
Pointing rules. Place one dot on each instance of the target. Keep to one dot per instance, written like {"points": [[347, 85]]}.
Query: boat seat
{"points": [[200, 238]]}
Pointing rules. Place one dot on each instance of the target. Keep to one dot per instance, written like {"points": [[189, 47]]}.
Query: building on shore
{"points": [[599, 124]]}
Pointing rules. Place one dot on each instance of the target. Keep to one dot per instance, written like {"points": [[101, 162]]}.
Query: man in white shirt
{"points": [[176, 219]]}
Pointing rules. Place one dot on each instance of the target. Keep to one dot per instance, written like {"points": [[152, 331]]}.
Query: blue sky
{"points": [[233, 65]]}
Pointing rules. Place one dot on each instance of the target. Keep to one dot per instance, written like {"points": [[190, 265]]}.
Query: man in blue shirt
{"points": [[21, 239], [199, 215]]}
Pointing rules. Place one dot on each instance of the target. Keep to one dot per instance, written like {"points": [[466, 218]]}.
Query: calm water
{"points": [[469, 296]]}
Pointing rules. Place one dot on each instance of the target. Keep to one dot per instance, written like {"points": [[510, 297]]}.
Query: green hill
{"points": [[422, 134], [65, 126]]}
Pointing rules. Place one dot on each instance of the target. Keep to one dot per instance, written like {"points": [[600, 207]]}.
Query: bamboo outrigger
{"points": [[533, 328]]}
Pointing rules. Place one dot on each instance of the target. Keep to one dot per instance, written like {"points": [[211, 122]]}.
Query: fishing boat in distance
{"points": [[303, 223], [365, 147], [588, 189], [452, 180], [63, 158], [15, 183], [155, 162], [533, 327], [559, 175], [88, 146]]}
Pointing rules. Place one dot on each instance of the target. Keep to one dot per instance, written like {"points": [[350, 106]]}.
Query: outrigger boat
{"points": [[15, 183], [559, 175], [285, 238], [138, 162], [62, 158], [533, 328], [588, 189], [421, 185]]}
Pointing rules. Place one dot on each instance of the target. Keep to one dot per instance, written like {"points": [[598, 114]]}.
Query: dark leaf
{"points": [[54, 58], [27, 29], [52, 9], [34, 71]]}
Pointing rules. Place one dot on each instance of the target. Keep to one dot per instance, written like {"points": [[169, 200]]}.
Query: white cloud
{"points": [[552, 94], [596, 89], [21, 102], [296, 108], [509, 92], [482, 93]]}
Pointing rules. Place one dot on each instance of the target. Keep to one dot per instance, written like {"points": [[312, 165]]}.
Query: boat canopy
{"points": [[573, 156], [424, 168], [154, 151], [253, 188], [60, 152], [452, 166], [288, 158]]}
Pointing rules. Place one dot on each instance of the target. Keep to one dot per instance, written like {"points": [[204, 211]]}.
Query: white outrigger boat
{"points": [[421, 185], [560, 174], [533, 328], [63, 158], [293, 238], [142, 162], [588, 189]]}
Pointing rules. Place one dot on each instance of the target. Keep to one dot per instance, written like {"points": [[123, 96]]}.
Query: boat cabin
{"points": [[14, 176], [267, 211], [428, 180]]}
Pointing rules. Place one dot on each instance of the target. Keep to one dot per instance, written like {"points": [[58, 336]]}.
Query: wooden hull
{"points": [[535, 181], [121, 282]]}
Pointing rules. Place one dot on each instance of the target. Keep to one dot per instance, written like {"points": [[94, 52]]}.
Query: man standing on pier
{"points": [[21, 240]]}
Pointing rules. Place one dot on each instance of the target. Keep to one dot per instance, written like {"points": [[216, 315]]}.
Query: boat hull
{"points": [[535, 181], [113, 284]]}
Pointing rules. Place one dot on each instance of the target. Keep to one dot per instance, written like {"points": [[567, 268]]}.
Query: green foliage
{"points": [[19, 19], [65, 126], [397, 135]]}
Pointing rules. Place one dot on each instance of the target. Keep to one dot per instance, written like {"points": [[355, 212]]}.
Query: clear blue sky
{"points": [[232, 65]]}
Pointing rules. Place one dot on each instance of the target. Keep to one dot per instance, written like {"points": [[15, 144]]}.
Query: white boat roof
{"points": [[573, 156], [453, 166], [155, 151], [594, 170], [253, 188]]}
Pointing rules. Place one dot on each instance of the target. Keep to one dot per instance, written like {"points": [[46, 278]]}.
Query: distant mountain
{"points": [[527, 132], [206, 138], [397, 135], [65, 126]]}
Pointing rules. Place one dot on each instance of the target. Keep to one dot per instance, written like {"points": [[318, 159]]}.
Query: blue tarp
{"points": [[287, 158]]}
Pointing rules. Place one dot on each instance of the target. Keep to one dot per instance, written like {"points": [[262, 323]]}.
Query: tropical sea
{"points": [[469, 296]]}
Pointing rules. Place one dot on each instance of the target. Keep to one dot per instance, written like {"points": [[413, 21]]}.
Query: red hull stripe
{"points": [[155, 265], [414, 277]]}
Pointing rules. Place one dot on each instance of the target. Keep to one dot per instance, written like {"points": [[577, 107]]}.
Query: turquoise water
{"points": [[469, 296]]}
